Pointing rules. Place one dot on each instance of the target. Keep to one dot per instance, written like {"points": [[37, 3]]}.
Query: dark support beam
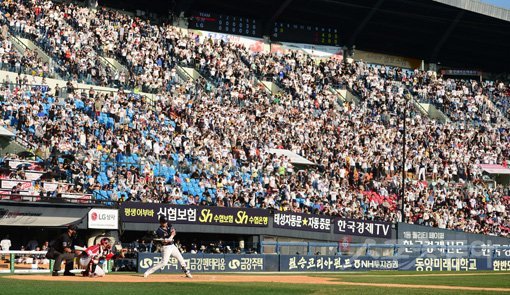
{"points": [[364, 22], [446, 35], [183, 5], [276, 14]]}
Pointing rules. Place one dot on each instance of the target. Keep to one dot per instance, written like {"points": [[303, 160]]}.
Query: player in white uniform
{"points": [[93, 259], [166, 234]]}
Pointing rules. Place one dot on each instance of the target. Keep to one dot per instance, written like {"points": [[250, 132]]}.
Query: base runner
{"points": [[166, 234]]}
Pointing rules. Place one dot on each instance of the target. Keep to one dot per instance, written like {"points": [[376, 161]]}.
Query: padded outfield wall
{"points": [[341, 244]]}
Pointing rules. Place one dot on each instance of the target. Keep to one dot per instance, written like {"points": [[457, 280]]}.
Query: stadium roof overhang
{"points": [[5, 132], [293, 157], [458, 33]]}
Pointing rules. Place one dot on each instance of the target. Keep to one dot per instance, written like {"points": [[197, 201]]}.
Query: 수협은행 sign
{"points": [[150, 213]]}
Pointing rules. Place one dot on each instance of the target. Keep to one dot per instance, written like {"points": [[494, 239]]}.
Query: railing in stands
{"points": [[80, 199]]}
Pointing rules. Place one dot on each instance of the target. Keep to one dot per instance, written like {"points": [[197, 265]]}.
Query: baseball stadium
{"points": [[254, 147]]}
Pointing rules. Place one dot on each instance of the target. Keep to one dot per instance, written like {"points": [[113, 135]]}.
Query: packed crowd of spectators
{"points": [[51, 27], [27, 63], [203, 145], [79, 38], [460, 100], [500, 95]]}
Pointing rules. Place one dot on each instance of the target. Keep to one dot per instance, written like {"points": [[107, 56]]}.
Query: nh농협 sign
{"points": [[103, 218]]}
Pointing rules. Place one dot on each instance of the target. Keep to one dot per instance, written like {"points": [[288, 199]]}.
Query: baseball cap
{"points": [[163, 219]]}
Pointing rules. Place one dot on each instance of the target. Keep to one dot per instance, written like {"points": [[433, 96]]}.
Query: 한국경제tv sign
{"points": [[366, 228]]}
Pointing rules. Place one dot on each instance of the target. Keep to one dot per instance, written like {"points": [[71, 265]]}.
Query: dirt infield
{"points": [[213, 278]]}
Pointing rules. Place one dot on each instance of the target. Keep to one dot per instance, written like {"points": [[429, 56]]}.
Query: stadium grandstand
{"points": [[376, 110]]}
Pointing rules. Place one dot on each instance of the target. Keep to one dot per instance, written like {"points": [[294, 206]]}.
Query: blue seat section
{"points": [[178, 171]]}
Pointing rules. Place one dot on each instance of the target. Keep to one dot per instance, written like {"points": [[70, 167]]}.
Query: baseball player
{"points": [[94, 256], [166, 234]]}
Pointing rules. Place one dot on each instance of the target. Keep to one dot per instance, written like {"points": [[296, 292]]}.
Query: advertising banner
{"points": [[10, 183], [317, 51], [290, 220], [343, 263], [211, 263], [366, 228], [437, 240], [53, 186], [301, 263], [14, 163], [457, 72], [454, 264], [33, 175], [103, 218], [150, 213], [78, 198], [336, 263], [385, 59], [251, 43]]}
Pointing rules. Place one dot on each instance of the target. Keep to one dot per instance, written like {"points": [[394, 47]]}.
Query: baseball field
{"points": [[268, 283]]}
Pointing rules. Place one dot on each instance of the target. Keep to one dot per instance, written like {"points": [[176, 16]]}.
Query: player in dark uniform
{"points": [[166, 234], [62, 249]]}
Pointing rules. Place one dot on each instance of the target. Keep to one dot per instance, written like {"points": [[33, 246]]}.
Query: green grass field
{"points": [[89, 287]]}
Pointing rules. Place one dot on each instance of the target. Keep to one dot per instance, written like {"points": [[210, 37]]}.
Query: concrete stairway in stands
{"points": [[23, 44]]}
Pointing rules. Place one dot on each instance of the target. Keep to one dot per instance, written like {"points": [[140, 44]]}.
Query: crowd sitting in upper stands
{"points": [[52, 27], [27, 63], [209, 146], [500, 96], [460, 100]]}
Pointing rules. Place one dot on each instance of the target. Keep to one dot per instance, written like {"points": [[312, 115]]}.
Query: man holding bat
{"points": [[166, 234]]}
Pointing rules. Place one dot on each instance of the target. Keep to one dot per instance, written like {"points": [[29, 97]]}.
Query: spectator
{"points": [[5, 244]]}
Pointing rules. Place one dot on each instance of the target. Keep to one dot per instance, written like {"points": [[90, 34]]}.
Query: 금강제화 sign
{"points": [[212, 262], [150, 213]]}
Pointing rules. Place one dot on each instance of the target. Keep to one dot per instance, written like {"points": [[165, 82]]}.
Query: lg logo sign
{"points": [[94, 216], [103, 218]]}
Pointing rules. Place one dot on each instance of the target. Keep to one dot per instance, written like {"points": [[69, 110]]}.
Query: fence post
{"points": [[11, 262]]}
